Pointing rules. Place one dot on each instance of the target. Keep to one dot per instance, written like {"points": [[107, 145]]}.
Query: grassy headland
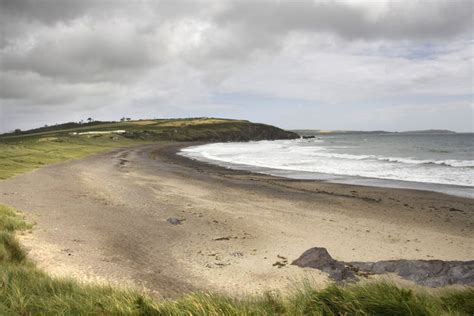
{"points": [[23, 151]]}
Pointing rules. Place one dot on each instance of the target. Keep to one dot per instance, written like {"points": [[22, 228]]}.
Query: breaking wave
{"points": [[314, 156]]}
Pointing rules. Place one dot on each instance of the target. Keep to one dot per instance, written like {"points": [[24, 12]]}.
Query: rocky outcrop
{"points": [[431, 273], [233, 132], [319, 258]]}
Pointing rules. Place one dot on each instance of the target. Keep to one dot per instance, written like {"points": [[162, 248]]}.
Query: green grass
{"points": [[25, 290], [30, 152], [369, 298]]}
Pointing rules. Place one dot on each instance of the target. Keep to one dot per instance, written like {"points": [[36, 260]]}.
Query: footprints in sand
{"points": [[280, 263], [69, 251], [222, 259], [213, 260], [221, 244], [121, 160]]}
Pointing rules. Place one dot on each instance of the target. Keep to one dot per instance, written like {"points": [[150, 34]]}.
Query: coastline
{"points": [[456, 190], [113, 209], [344, 184]]}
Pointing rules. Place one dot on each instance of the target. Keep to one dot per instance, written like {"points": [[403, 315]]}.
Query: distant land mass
{"points": [[430, 131], [313, 132], [187, 129]]}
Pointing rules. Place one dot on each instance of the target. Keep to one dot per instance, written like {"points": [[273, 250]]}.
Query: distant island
{"points": [[430, 131], [313, 132]]}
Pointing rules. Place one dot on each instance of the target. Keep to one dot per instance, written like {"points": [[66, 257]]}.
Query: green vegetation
{"points": [[192, 129], [374, 298], [25, 290], [27, 150], [22, 154]]}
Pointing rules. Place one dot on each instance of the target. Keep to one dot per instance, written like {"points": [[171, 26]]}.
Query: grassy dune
{"points": [[24, 154], [25, 290]]}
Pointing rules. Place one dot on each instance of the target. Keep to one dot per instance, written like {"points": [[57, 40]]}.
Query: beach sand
{"points": [[104, 218]]}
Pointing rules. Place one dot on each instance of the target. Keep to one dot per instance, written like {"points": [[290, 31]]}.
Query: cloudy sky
{"points": [[392, 65]]}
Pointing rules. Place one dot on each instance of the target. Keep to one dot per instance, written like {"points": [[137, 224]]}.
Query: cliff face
{"points": [[266, 132], [241, 132], [224, 132]]}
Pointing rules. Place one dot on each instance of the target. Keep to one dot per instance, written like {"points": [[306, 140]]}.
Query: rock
{"points": [[174, 221], [319, 258], [431, 273]]}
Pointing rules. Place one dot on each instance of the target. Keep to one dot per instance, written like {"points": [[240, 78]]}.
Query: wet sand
{"points": [[104, 218]]}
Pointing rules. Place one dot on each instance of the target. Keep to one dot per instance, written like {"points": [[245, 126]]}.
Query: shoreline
{"points": [[455, 190], [106, 217], [173, 153]]}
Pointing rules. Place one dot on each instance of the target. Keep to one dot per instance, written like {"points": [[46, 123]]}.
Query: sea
{"points": [[435, 162]]}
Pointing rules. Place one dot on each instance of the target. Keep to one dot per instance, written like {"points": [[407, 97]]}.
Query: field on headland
{"points": [[107, 216]]}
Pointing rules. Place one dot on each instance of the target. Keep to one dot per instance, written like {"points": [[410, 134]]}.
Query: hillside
{"points": [[195, 129], [23, 151]]}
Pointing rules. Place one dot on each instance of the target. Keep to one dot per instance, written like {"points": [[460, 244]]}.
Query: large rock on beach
{"points": [[431, 273], [319, 258]]}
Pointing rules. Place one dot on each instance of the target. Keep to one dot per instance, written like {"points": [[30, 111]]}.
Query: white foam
{"points": [[303, 155]]}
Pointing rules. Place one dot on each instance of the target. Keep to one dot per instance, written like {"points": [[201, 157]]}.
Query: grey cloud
{"points": [[412, 20], [30, 89], [242, 28], [51, 11], [64, 53], [19, 17], [85, 54]]}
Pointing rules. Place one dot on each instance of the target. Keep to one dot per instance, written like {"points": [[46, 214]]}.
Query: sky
{"points": [[347, 65]]}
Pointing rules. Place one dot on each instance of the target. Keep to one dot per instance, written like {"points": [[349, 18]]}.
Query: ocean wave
{"points": [[300, 157], [447, 162]]}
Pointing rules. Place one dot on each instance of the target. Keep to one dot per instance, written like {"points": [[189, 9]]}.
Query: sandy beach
{"points": [[105, 218]]}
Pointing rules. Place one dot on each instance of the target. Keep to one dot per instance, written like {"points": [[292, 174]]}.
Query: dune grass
{"points": [[24, 154], [25, 290], [369, 298]]}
